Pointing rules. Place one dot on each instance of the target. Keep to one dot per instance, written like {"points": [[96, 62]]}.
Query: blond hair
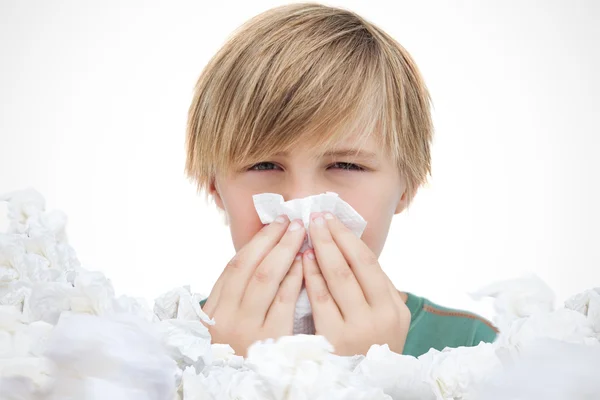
{"points": [[311, 72]]}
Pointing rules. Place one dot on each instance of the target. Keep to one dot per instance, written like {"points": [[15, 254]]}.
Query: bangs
{"points": [[324, 96], [319, 126]]}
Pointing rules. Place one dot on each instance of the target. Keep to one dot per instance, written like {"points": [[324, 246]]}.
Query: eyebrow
{"points": [[367, 155]]}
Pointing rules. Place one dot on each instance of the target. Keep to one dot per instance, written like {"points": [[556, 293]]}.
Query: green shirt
{"points": [[434, 326]]}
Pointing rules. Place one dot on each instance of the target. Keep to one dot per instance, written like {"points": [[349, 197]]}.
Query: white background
{"points": [[93, 104]]}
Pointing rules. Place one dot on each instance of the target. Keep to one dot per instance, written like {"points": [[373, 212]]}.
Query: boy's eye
{"points": [[267, 166], [262, 166], [348, 166]]}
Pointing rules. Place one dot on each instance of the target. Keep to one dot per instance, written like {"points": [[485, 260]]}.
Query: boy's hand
{"points": [[255, 296], [354, 303]]}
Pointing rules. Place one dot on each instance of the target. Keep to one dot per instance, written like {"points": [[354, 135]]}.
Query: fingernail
{"points": [[294, 226], [311, 255], [328, 216], [280, 219], [298, 257], [319, 220]]}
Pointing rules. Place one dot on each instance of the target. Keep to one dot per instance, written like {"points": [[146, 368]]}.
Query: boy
{"points": [[304, 99]]}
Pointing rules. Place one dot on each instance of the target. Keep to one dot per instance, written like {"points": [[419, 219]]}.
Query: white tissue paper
{"points": [[65, 335], [270, 205]]}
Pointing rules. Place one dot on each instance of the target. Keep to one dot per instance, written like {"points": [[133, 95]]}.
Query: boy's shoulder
{"points": [[438, 327]]}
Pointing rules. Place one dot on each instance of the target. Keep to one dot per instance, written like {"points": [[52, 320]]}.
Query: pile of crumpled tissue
{"points": [[65, 335]]}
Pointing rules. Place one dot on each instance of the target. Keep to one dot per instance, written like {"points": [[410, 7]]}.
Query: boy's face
{"points": [[376, 193]]}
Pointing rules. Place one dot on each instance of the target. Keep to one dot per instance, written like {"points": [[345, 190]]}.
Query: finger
{"points": [[342, 283], [284, 304], [213, 297], [324, 309], [362, 261], [241, 267], [266, 279]]}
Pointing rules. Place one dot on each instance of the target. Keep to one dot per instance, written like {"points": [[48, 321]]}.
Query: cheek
{"points": [[243, 224], [376, 232], [378, 215]]}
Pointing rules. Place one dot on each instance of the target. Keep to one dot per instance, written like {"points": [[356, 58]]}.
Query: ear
{"points": [[404, 200], [213, 190]]}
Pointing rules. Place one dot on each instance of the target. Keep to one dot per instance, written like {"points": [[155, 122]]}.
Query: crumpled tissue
{"points": [[517, 298], [65, 335], [270, 205]]}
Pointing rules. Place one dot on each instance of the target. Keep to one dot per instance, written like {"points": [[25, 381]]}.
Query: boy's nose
{"points": [[298, 195], [299, 191]]}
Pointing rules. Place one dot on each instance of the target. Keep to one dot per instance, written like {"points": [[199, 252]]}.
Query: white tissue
{"points": [[85, 343], [270, 205]]}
